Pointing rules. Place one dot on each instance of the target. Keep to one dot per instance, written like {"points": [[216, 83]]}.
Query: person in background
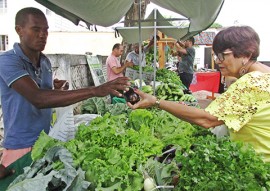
{"points": [[28, 91], [245, 107], [133, 56], [185, 65], [113, 65]]}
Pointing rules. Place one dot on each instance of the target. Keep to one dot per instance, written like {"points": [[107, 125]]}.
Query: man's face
{"points": [[33, 34], [136, 49], [120, 51], [188, 43]]}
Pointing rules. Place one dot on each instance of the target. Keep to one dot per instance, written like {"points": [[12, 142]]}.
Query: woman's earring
{"points": [[243, 70]]}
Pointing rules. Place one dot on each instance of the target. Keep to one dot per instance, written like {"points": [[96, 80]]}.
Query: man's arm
{"points": [[180, 48], [150, 44], [45, 98], [118, 70]]}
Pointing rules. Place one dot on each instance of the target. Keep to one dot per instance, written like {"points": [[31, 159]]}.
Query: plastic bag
{"points": [[64, 127], [220, 131], [84, 118]]}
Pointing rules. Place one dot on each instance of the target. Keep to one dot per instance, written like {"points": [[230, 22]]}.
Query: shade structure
{"points": [[155, 21], [92, 12], [201, 13]]}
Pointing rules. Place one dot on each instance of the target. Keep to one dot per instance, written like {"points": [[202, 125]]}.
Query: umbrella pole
{"points": [[155, 49], [140, 43]]}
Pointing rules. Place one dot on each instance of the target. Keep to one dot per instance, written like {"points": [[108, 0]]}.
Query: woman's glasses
{"points": [[220, 56]]}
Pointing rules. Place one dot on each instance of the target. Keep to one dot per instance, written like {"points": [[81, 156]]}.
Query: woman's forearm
{"points": [[190, 114]]}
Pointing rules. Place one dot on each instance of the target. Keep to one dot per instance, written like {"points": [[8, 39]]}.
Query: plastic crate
{"points": [[148, 76], [132, 74]]}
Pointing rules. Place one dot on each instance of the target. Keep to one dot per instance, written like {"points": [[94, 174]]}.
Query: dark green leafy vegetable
{"points": [[219, 164], [114, 148], [166, 76], [111, 153], [41, 175], [100, 106]]}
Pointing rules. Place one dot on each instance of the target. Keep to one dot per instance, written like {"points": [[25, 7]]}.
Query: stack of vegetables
{"points": [[166, 76], [154, 150], [170, 88], [147, 68], [100, 106], [127, 150]]}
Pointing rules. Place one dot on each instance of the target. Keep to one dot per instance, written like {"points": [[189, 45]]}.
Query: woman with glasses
{"points": [[245, 107]]}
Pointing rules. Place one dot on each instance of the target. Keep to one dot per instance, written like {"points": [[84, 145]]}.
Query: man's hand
{"points": [[5, 172], [112, 87], [157, 38], [129, 64], [182, 44], [60, 84], [151, 42], [180, 48]]}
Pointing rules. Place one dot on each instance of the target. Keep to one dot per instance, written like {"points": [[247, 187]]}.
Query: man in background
{"points": [[133, 56], [185, 65], [113, 65]]}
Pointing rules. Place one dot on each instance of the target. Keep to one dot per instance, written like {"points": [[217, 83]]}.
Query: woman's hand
{"points": [[146, 101]]}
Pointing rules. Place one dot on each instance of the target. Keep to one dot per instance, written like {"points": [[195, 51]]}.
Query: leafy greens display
{"points": [[116, 151]]}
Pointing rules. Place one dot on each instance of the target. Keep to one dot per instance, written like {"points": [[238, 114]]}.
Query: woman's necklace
{"points": [[246, 68]]}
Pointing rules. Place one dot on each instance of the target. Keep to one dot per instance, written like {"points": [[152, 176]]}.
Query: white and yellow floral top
{"points": [[245, 110]]}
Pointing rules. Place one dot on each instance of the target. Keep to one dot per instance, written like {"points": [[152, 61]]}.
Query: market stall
{"points": [[127, 149], [123, 150]]}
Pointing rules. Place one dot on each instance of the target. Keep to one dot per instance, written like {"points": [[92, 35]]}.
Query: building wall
{"points": [[98, 43], [7, 19], [64, 37]]}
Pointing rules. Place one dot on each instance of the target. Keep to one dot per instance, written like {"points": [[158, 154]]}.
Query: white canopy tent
{"points": [[155, 21], [200, 13]]}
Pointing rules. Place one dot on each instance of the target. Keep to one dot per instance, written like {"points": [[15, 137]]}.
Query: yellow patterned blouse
{"points": [[245, 110]]}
